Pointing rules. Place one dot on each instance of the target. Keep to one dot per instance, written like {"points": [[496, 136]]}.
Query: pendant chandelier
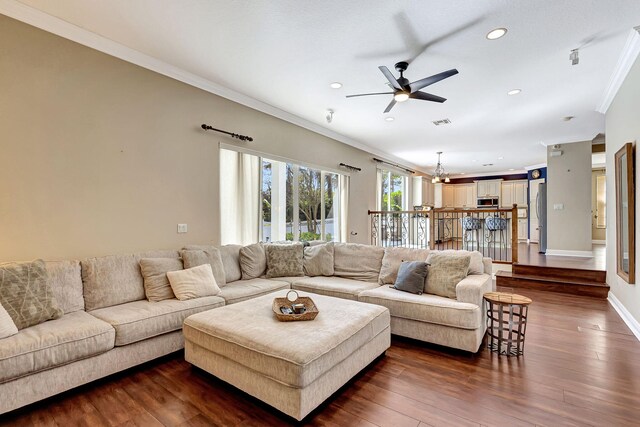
{"points": [[439, 175]]}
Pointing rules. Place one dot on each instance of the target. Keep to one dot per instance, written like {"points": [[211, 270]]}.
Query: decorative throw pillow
{"points": [[7, 327], [476, 266], [411, 277], [253, 261], [318, 260], [196, 257], [284, 260], [26, 294], [193, 282], [154, 272], [445, 272], [392, 259]]}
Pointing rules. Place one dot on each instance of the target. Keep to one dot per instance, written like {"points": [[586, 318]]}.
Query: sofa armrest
{"points": [[487, 265], [473, 287]]}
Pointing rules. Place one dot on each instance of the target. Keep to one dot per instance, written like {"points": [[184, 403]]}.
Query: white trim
{"points": [[481, 174], [562, 252], [59, 27], [625, 62], [538, 166], [268, 156], [599, 242], [627, 318]]}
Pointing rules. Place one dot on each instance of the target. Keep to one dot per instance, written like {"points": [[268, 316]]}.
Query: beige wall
{"points": [[622, 126], [569, 184], [100, 156]]}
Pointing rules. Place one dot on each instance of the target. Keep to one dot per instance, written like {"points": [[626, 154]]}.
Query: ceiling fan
{"points": [[404, 90]]}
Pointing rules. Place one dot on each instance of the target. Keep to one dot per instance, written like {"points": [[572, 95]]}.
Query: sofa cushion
{"points": [[392, 259], [26, 294], [7, 327], [333, 286], [139, 320], [446, 270], [253, 261], [318, 260], [65, 279], [246, 289], [194, 282], [72, 337], [116, 279], [154, 276], [476, 263], [357, 262], [284, 260], [211, 256], [230, 255], [425, 308]]}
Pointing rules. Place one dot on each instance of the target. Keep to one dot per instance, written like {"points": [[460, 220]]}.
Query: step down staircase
{"points": [[566, 280]]}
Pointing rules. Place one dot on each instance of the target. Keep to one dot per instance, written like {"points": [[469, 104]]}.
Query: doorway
{"points": [[533, 213], [598, 206]]}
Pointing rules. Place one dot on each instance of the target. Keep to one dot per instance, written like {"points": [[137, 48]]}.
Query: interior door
{"points": [[598, 206], [533, 213]]}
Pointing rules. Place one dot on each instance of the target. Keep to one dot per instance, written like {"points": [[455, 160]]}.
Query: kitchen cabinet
{"points": [[488, 188], [447, 196], [522, 229], [464, 196], [513, 192], [427, 192]]}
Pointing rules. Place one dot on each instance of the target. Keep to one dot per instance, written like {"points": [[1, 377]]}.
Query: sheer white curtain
{"points": [[239, 197], [344, 208]]}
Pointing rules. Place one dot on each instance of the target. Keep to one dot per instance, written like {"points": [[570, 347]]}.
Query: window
{"points": [[299, 203], [393, 191]]}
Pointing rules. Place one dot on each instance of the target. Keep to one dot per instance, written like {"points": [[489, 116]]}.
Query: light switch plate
{"points": [[182, 228], [558, 206]]}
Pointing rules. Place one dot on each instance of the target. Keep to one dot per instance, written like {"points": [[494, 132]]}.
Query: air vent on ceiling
{"points": [[488, 164], [441, 122]]}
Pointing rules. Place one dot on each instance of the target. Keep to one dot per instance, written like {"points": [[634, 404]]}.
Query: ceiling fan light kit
{"points": [[403, 89]]}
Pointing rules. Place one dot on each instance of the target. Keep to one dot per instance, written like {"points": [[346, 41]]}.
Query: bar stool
{"points": [[469, 225]]}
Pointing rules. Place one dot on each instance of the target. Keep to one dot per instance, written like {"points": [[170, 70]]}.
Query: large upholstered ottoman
{"points": [[292, 366]]}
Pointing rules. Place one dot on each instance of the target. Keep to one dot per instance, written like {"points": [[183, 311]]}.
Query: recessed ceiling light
{"points": [[511, 169], [514, 92], [389, 119], [474, 160], [500, 158], [496, 34], [335, 85]]}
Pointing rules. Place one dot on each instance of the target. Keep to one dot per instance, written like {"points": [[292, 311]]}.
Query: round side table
{"points": [[506, 322]]}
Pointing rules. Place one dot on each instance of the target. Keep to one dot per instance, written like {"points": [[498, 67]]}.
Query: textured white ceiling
{"points": [[286, 52]]}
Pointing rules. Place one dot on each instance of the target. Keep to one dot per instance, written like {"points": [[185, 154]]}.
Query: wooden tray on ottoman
{"points": [[311, 311]]}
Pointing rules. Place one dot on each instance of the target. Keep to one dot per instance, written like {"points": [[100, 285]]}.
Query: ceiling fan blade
{"points": [[427, 97], [419, 84], [390, 77], [369, 94], [390, 106]]}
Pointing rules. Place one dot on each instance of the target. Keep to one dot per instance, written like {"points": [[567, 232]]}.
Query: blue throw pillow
{"points": [[411, 277]]}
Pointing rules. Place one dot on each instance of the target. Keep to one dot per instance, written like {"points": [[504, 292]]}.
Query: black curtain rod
{"points": [[351, 168], [233, 135], [394, 165]]}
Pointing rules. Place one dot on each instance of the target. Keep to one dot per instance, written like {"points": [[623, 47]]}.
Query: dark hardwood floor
{"points": [[581, 367]]}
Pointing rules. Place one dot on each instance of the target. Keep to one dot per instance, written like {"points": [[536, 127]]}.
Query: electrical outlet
{"points": [[558, 206], [182, 228]]}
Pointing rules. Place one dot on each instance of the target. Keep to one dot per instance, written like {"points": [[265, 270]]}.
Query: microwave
{"points": [[487, 202]]}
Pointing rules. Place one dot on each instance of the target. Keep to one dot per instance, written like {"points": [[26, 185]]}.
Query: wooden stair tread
{"points": [[598, 276], [559, 280]]}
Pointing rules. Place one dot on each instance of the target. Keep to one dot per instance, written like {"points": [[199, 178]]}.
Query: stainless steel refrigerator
{"points": [[541, 210]]}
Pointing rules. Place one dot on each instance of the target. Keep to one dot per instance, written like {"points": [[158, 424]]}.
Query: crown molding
{"points": [[67, 30], [538, 166], [625, 62]]}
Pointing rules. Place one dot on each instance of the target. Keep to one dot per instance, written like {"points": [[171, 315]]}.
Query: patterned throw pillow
{"points": [[284, 260], [445, 272], [26, 295]]}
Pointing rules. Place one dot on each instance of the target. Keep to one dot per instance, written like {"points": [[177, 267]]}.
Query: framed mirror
{"points": [[625, 213]]}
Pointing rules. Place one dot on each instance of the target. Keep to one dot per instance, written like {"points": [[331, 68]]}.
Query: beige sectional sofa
{"points": [[109, 326]]}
